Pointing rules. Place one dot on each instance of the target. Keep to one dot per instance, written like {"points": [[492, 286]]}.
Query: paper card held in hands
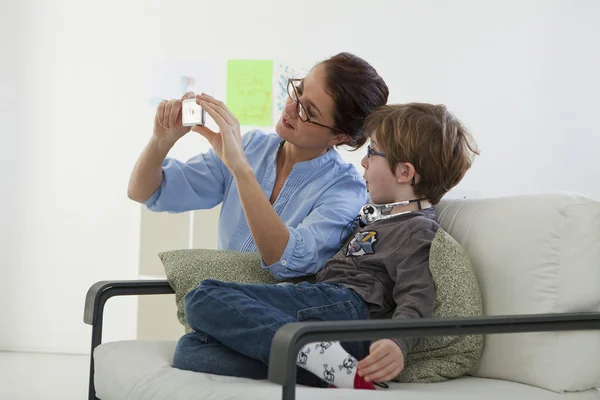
{"points": [[191, 113]]}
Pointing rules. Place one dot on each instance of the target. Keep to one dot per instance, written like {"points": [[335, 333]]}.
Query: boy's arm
{"points": [[414, 289], [414, 295]]}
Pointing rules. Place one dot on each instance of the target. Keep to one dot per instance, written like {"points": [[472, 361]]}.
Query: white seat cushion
{"points": [[141, 370], [534, 254]]}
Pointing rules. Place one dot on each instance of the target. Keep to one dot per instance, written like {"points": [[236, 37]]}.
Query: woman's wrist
{"points": [[242, 171], [162, 144]]}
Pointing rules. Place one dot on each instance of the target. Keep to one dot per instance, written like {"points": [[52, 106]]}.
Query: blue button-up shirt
{"points": [[318, 201]]}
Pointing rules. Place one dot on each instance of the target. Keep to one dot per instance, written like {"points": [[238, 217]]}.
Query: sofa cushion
{"points": [[534, 255], [439, 358], [140, 370], [186, 269]]}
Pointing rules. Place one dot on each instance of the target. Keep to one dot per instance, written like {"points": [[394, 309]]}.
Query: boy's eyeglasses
{"points": [[293, 93], [371, 151]]}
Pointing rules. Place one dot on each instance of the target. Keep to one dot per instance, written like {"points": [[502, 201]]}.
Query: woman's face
{"points": [[320, 108]]}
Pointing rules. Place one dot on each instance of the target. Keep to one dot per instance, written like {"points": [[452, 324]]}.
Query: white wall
{"points": [[11, 135], [522, 75]]}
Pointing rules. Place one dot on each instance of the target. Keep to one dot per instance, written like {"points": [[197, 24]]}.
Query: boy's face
{"points": [[381, 182]]}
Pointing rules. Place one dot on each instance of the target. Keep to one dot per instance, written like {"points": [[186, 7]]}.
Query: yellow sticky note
{"points": [[249, 91]]}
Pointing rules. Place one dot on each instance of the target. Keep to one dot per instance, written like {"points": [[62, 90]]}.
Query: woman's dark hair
{"points": [[357, 90]]}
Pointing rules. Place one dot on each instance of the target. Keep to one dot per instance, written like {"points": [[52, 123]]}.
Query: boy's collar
{"points": [[371, 213], [421, 203]]}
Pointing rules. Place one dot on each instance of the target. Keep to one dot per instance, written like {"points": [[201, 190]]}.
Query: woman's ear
{"points": [[339, 138], [405, 172]]}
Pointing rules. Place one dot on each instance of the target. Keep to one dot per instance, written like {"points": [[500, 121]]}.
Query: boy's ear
{"points": [[340, 138], [405, 172]]}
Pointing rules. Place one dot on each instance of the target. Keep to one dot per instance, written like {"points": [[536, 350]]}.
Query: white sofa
{"points": [[537, 259]]}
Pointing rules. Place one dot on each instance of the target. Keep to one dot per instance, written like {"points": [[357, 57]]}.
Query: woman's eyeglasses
{"points": [[293, 93]]}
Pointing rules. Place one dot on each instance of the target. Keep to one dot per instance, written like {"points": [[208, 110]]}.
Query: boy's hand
{"points": [[384, 363]]}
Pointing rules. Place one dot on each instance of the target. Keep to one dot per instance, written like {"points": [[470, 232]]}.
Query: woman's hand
{"points": [[168, 127], [384, 362], [227, 143]]}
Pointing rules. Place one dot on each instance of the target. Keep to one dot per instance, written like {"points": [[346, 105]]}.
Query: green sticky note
{"points": [[249, 90]]}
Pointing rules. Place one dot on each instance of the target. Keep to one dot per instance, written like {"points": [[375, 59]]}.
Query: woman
{"points": [[289, 195]]}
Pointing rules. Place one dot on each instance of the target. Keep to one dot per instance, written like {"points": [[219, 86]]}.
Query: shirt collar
{"points": [[315, 163]]}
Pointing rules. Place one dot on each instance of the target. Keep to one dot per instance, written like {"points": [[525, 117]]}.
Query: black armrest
{"points": [[290, 338], [101, 291], [96, 298]]}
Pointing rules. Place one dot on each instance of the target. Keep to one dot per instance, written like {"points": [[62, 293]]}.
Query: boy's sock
{"points": [[330, 362]]}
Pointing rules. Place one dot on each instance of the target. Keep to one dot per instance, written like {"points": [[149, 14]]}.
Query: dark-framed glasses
{"points": [[370, 152], [300, 109]]}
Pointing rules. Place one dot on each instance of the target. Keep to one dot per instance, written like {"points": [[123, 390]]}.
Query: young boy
{"points": [[417, 153]]}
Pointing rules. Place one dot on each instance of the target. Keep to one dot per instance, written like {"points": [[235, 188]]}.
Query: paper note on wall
{"points": [[171, 80], [249, 91], [284, 70]]}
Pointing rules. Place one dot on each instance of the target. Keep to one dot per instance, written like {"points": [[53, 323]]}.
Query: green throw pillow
{"points": [[186, 269], [436, 359]]}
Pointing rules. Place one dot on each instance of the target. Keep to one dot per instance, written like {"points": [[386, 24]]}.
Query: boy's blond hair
{"points": [[430, 138]]}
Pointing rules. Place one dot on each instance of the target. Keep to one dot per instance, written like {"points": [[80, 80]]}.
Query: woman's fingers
{"points": [[209, 108], [219, 107], [188, 95], [206, 132], [174, 112], [161, 113]]}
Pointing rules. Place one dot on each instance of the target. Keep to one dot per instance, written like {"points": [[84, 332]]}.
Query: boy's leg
{"points": [[245, 317], [198, 352]]}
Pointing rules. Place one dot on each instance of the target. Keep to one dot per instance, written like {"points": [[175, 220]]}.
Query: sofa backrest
{"points": [[534, 254]]}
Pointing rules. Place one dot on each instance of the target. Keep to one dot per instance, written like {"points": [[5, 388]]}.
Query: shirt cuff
{"points": [[152, 199], [403, 345], [282, 269]]}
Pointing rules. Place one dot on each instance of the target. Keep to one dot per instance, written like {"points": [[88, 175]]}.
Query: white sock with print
{"points": [[330, 362]]}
